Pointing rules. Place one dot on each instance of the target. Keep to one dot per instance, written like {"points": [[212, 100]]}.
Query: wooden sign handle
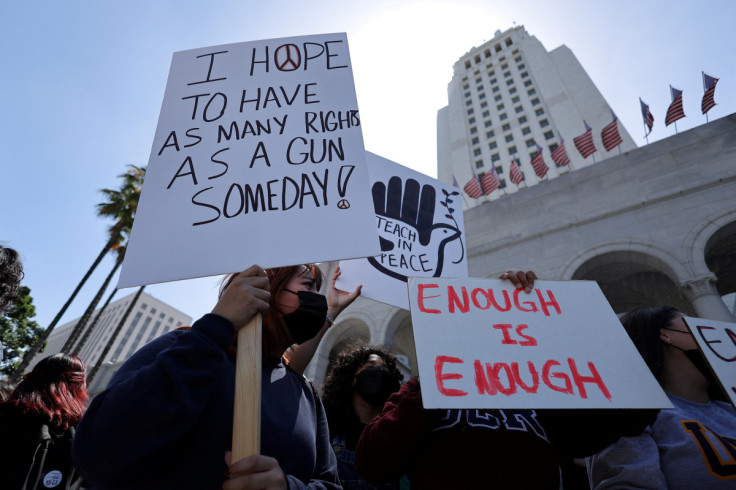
{"points": [[247, 415]]}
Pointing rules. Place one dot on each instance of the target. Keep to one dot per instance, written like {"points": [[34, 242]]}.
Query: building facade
{"points": [[508, 98], [653, 226], [148, 319]]}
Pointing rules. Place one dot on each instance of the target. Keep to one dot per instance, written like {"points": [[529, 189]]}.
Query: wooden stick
{"points": [[247, 416]]}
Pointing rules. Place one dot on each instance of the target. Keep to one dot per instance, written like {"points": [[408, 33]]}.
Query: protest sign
{"points": [[420, 224], [258, 157], [717, 341], [483, 344]]}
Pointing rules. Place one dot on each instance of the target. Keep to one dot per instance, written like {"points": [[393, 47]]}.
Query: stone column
{"points": [[702, 293]]}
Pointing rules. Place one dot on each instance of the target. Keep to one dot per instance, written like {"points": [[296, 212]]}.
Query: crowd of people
{"points": [[166, 418]]}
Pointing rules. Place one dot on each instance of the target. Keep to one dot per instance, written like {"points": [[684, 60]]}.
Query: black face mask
{"points": [[375, 385], [306, 321], [696, 357]]}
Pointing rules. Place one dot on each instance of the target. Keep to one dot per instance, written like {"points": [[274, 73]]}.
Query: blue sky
{"points": [[83, 82]]}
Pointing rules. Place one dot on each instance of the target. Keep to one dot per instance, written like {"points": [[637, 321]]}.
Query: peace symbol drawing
{"points": [[288, 57]]}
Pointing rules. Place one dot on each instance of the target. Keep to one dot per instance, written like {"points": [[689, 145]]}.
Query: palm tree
{"points": [[121, 206], [108, 346]]}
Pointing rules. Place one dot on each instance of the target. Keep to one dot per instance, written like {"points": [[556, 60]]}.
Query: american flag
{"points": [[609, 135], [490, 181], [709, 83], [540, 168], [648, 117], [515, 172], [472, 188], [674, 111], [584, 142], [559, 156]]}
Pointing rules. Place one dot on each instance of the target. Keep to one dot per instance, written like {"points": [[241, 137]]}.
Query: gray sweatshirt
{"points": [[691, 446]]}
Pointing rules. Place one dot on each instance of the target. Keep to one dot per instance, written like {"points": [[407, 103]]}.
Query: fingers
{"points": [[521, 279], [256, 472], [247, 295]]}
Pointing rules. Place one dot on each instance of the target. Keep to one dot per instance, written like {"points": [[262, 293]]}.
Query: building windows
{"points": [[512, 90], [498, 48], [518, 59], [509, 82], [144, 306], [490, 134], [512, 150], [549, 135], [482, 95], [506, 74], [509, 138], [543, 123], [508, 41], [505, 66], [470, 111], [473, 130], [486, 113], [531, 92], [467, 95], [518, 109], [525, 130], [530, 142], [527, 83], [474, 141], [467, 64], [483, 105], [497, 98], [487, 53], [479, 164], [506, 127], [552, 148], [535, 101], [488, 123], [502, 183], [515, 100], [495, 157], [492, 145], [524, 74], [503, 116], [471, 120], [539, 111], [468, 103], [493, 81], [522, 66], [477, 58], [522, 119], [491, 73], [476, 152], [499, 170], [495, 90], [466, 87], [500, 107]]}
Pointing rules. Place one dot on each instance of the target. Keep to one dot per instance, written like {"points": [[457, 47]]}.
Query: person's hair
{"points": [[6, 388], [276, 336], [337, 390], [643, 325], [56, 390], [11, 273]]}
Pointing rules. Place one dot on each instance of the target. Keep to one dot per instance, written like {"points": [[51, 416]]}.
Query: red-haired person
{"points": [[166, 419], [37, 425]]}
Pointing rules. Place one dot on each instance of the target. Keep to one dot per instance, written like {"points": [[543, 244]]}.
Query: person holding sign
{"points": [[166, 419], [691, 446]]}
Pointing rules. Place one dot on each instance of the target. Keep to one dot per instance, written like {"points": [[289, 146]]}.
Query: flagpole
{"points": [[462, 192]]}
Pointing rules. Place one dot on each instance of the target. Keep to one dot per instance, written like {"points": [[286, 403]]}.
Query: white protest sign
{"points": [[258, 157], [482, 344], [420, 224], [717, 340]]}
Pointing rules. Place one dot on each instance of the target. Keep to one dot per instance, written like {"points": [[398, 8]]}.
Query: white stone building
{"points": [[148, 319], [653, 226], [506, 97]]}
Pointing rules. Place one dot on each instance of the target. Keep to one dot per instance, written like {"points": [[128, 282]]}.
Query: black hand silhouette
{"points": [[414, 205], [413, 209]]}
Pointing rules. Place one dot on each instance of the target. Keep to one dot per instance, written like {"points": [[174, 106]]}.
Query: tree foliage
{"points": [[18, 330]]}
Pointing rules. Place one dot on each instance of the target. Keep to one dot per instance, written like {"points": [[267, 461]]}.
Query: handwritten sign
{"points": [[482, 344], [258, 157], [420, 224], [717, 340]]}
